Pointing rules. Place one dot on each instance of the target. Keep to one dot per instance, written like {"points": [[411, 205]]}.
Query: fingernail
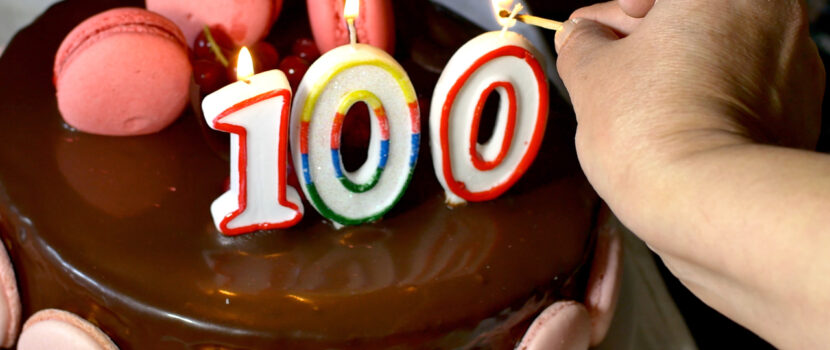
{"points": [[563, 34]]}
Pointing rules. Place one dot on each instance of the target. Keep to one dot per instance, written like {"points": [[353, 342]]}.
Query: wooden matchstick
{"points": [[533, 20]]}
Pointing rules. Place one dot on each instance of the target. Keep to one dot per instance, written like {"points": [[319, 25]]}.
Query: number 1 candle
{"points": [[349, 74], [254, 110], [500, 62]]}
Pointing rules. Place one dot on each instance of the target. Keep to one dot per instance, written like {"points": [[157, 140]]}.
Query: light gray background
{"points": [[15, 14]]}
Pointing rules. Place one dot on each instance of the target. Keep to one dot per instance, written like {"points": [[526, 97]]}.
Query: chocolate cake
{"points": [[118, 231]]}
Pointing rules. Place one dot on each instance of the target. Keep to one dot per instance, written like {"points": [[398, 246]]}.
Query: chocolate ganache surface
{"points": [[118, 230]]}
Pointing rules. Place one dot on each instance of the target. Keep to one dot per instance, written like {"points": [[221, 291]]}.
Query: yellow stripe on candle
{"points": [[398, 74], [357, 96]]}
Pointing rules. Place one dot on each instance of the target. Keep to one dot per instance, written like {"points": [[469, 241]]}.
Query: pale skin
{"points": [[696, 121]]}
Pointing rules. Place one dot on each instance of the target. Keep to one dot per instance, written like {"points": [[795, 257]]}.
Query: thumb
{"points": [[579, 40]]}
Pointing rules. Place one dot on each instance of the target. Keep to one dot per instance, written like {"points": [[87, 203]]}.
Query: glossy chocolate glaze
{"points": [[118, 230]]}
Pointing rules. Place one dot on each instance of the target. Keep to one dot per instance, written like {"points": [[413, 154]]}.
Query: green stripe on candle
{"points": [[317, 202], [360, 188]]}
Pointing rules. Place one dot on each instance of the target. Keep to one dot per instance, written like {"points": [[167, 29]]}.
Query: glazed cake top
{"points": [[118, 230]]}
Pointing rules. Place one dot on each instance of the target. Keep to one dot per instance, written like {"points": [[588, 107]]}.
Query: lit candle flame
{"points": [[244, 65], [351, 9], [503, 5]]}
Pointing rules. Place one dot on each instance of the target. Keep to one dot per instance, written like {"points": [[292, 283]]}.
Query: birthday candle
{"points": [[340, 78], [500, 62], [254, 110]]}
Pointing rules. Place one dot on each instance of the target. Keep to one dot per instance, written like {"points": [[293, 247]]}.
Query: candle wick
{"points": [[534, 21], [511, 19], [352, 31]]}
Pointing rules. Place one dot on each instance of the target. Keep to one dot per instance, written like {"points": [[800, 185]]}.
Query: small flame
{"points": [[503, 5], [244, 65], [351, 9]]}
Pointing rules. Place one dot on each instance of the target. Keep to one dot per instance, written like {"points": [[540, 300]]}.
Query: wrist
{"points": [[633, 154]]}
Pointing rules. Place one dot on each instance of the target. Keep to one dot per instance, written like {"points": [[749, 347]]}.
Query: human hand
{"points": [[691, 76], [682, 107]]}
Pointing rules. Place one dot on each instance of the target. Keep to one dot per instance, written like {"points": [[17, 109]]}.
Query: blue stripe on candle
{"points": [[306, 172], [384, 153], [416, 144], [335, 161]]}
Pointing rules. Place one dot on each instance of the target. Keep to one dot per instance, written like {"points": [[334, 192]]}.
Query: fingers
{"points": [[577, 43], [636, 8], [579, 34], [612, 15]]}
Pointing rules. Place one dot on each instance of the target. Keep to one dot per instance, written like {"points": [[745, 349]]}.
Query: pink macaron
{"points": [[375, 25], [58, 329], [9, 301], [122, 72], [565, 325], [245, 21], [604, 280], [570, 325]]}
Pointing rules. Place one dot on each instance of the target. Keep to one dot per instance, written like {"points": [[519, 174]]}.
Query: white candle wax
{"points": [[501, 62], [256, 114], [342, 77]]}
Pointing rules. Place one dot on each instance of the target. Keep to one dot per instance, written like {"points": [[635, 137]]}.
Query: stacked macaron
{"points": [[9, 301], [375, 24], [46, 329], [126, 71], [122, 72], [245, 21], [58, 329]]}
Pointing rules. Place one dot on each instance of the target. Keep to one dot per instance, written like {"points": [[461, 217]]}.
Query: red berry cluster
{"points": [[214, 59]]}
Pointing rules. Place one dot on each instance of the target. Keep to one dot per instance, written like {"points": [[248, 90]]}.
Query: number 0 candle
{"points": [[349, 74], [255, 111], [500, 62]]}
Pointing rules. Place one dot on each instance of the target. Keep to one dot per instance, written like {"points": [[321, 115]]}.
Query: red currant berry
{"points": [[203, 48], [265, 55], [305, 48], [222, 38], [294, 69], [209, 75]]}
